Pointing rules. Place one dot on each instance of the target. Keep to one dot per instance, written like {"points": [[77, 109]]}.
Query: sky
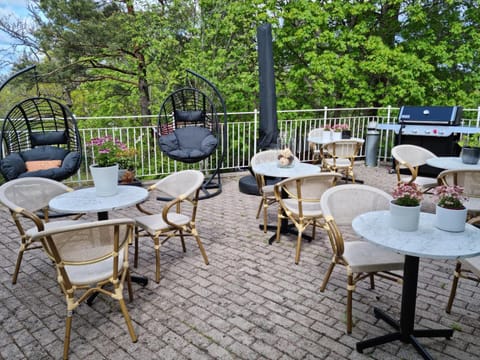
{"points": [[11, 8]]}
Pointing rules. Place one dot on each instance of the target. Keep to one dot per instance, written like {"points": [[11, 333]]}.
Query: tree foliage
{"points": [[124, 57]]}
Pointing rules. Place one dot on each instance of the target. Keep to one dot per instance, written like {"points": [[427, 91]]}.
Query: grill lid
{"points": [[434, 115]]}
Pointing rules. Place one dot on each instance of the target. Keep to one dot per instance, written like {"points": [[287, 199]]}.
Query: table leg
{"points": [[405, 327]]}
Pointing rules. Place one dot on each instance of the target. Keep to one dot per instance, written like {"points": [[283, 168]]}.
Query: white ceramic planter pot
{"points": [[450, 219], [336, 135], [404, 218], [105, 179]]}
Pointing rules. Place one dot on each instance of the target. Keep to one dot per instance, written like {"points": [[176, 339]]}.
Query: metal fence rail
{"points": [[242, 129]]}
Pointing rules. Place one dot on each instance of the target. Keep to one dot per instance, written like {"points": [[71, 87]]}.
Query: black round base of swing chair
{"points": [[248, 184]]}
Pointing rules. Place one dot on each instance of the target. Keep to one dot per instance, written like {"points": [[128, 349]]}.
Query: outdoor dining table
{"points": [[426, 242], [326, 138], [85, 200], [272, 169], [451, 163]]}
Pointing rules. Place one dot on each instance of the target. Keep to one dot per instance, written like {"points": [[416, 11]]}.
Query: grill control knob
{"points": [[427, 131], [414, 131]]}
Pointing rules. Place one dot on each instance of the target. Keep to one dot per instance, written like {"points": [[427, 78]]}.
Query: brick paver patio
{"points": [[251, 302]]}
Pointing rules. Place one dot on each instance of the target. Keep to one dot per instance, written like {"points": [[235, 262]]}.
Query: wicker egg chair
{"points": [[190, 130], [40, 138]]}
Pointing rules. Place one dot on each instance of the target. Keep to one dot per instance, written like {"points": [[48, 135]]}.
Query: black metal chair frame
{"points": [[191, 130]]}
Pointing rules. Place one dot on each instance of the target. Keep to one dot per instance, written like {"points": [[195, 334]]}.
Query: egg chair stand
{"points": [[39, 137], [192, 129]]}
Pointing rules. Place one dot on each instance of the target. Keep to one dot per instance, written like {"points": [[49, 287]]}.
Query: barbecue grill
{"points": [[436, 128]]}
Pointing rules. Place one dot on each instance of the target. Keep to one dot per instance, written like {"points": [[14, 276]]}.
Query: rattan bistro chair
{"points": [[360, 258], [264, 187], [315, 148], [411, 157], [27, 200], [301, 205], [468, 268], [177, 218], [469, 180], [340, 155], [88, 256]]}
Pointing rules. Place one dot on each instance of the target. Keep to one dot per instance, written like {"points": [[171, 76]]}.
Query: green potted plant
{"points": [[470, 148]]}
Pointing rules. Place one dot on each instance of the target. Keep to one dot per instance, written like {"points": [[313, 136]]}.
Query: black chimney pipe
{"points": [[268, 129]]}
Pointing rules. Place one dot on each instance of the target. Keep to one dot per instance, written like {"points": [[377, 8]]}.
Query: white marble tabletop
{"points": [[427, 241], [85, 200], [326, 138], [272, 169], [451, 163]]}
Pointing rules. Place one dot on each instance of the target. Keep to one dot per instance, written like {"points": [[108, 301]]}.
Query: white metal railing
{"points": [[242, 130]]}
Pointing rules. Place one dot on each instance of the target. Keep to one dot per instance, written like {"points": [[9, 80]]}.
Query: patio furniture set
{"points": [[89, 255], [309, 195]]}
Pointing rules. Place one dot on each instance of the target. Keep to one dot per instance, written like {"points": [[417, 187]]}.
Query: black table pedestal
{"points": [[285, 228], [405, 328]]}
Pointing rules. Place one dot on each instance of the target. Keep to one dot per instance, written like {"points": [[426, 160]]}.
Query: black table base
{"points": [[285, 228], [405, 327]]}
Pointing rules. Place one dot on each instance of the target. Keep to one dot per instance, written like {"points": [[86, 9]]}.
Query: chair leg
{"points": [[260, 207], [68, 329], [156, 246], [453, 291], [17, 265], [265, 217], [279, 224], [123, 307], [135, 254], [200, 246], [350, 287], [129, 285], [299, 247], [327, 276], [372, 280]]}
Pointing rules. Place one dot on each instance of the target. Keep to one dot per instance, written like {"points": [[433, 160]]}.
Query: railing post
{"points": [[255, 123]]}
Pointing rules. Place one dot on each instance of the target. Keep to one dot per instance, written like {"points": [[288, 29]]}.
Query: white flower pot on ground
{"points": [[404, 218], [450, 219], [105, 179]]}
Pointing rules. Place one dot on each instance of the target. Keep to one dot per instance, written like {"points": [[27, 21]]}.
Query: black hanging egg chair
{"points": [[40, 138], [190, 131]]}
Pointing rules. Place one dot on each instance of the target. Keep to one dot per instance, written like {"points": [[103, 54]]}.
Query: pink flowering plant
{"points": [[406, 194], [337, 127], [450, 197], [107, 151]]}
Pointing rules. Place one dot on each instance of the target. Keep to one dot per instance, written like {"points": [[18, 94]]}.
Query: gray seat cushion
{"points": [[189, 144], [13, 166]]}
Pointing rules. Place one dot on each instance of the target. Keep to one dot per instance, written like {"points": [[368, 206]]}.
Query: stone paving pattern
{"points": [[251, 302]]}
